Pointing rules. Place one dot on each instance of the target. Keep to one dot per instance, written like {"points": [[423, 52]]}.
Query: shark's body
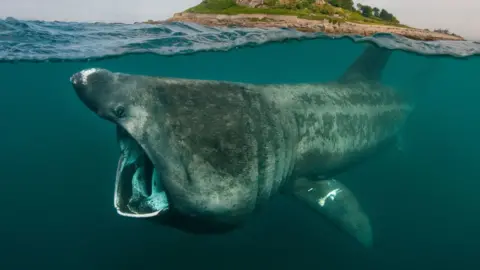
{"points": [[214, 151], [338, 125]]}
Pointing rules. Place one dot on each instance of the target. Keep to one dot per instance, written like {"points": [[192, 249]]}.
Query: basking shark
{"points": [[203, 155]]}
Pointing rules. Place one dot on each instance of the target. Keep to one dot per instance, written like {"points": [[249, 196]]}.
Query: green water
{"points": [[58, 164]]}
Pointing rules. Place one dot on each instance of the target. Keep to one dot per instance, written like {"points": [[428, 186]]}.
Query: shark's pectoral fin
{"points": [[335, 201]]}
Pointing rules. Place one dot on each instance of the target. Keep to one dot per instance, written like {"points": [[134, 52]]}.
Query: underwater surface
{"points": [[58, 160]]}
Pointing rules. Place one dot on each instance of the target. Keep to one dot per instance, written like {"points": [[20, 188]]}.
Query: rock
{"points": [[287, 2], [289, 21], [250, 3], [320, 2]]}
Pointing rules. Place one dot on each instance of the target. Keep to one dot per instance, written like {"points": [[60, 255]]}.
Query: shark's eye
{"points": [[119, 112]]}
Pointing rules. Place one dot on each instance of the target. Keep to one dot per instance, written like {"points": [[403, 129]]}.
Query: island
{"points": [[340, 17]]}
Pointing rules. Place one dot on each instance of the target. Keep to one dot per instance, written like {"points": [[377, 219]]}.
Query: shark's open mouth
{"points": [[138, 187]]}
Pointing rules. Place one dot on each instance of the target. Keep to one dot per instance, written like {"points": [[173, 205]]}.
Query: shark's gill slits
{"points": [[148, 174], [138, 191], [123, 188]]}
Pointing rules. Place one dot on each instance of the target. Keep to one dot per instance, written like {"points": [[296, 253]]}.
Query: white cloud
{"points": [[460, 16]]}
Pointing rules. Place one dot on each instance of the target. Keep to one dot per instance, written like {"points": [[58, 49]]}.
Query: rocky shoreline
{"points": [[305, 25]]}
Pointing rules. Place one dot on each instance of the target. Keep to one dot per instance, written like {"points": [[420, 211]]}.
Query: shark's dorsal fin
{"points": [[368, 67]]}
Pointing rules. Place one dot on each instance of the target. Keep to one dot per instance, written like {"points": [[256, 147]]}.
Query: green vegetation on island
{"points": [[335, 11]]}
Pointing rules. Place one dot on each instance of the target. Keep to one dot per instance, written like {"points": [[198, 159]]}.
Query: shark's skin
{"points": [[221, 149]]}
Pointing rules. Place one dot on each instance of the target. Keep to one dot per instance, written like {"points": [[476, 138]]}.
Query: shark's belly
{"points": [[336, 136]]}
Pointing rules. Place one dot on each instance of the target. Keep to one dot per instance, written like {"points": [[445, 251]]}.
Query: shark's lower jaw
{"points": [[138, 189]]}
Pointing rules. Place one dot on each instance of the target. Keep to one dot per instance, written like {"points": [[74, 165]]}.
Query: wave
{"points": [[66, 41]]}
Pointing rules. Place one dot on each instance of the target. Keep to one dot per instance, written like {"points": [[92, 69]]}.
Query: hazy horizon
{"points": [[459, 17]]}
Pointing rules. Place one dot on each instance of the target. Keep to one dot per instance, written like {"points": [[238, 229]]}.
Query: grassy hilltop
{"points": [[335, 11], [327, 16]]}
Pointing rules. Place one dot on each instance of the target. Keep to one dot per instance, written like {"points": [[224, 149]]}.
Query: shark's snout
{"points": [[93, 87], [79, 83], [76, 79], [81, 78]]}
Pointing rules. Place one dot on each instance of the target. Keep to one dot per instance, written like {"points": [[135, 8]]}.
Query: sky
{"points": [[459, 16]]}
